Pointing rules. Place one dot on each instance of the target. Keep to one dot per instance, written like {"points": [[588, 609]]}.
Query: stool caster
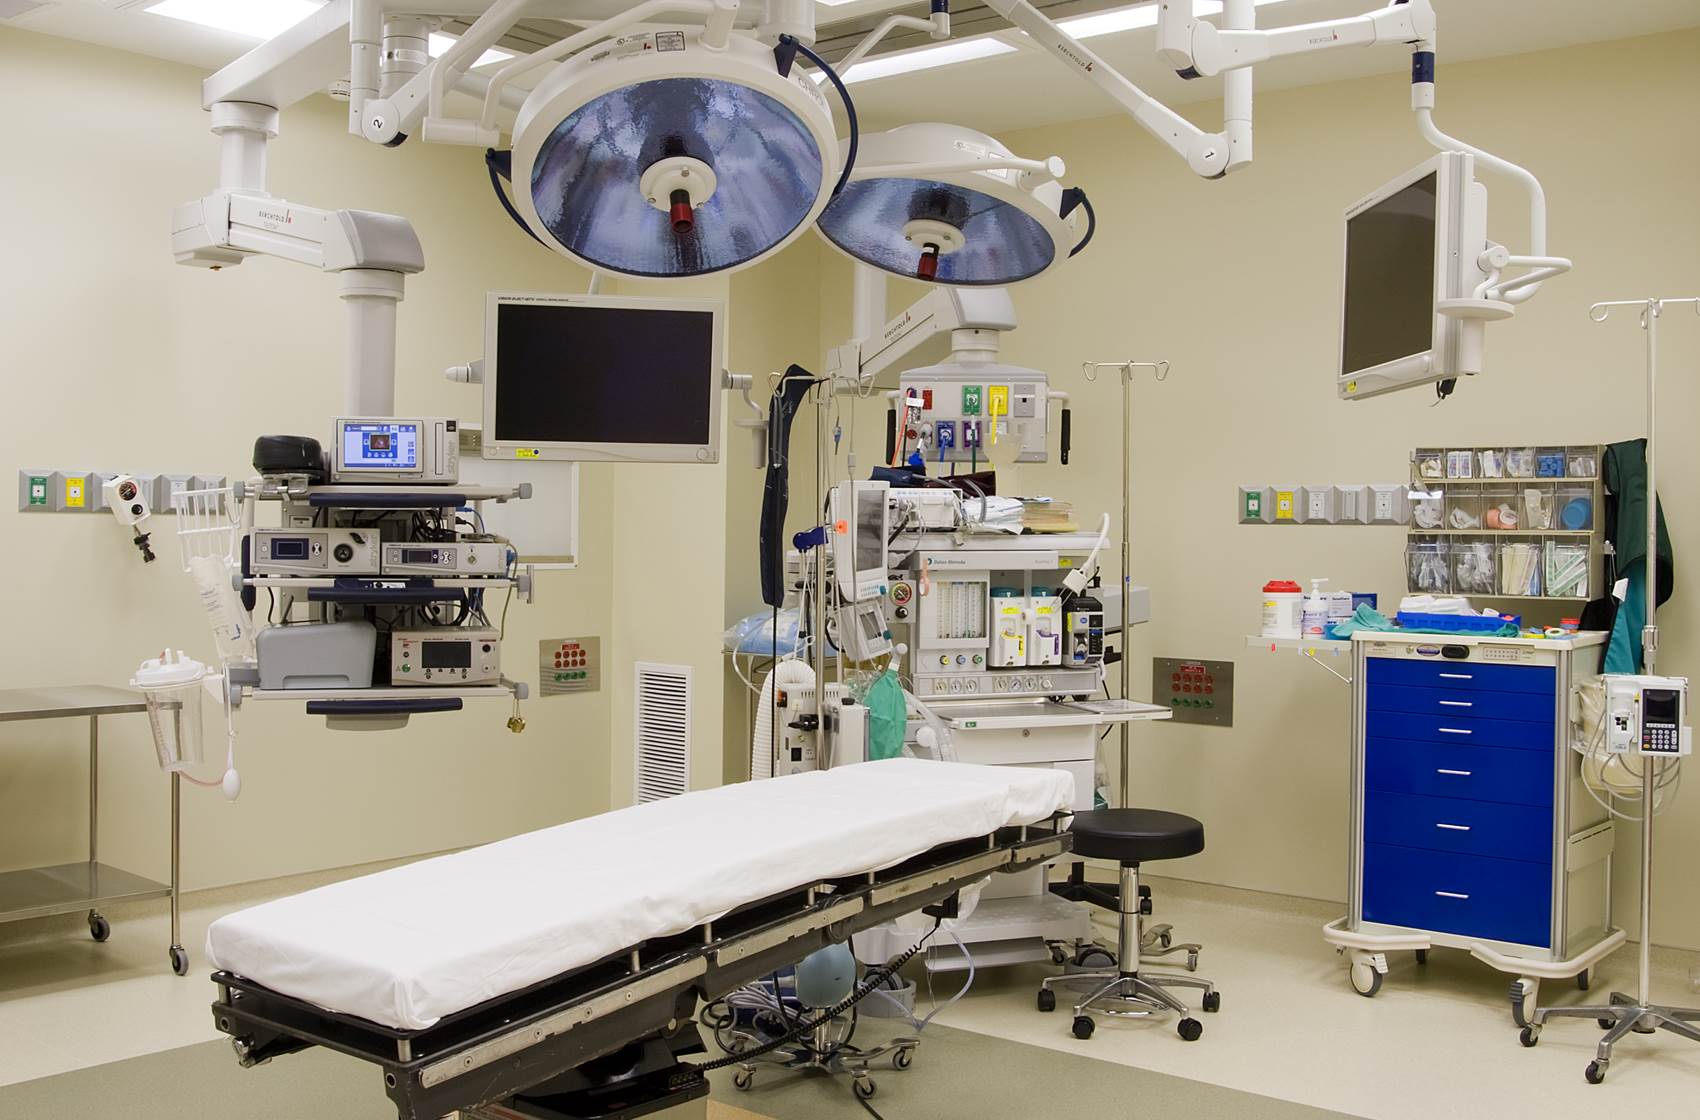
{"points": [[743, 1079], [1595, 1073], [1212, 1002], [1529, 1035], [1190, 1029], [1047, 1000], [864, 1086], [1084, 1026], [903, 1059]]}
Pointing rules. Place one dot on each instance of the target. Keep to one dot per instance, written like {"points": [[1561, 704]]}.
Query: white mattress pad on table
{"points": [[407, 946]]}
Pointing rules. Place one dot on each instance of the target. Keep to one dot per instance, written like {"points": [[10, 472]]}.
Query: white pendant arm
{"points": [[938, 27]]}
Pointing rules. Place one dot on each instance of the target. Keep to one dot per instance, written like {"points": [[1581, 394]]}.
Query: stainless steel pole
{"points": [[1649, 653], [823, 396], [1127, 576], [94, 787]]}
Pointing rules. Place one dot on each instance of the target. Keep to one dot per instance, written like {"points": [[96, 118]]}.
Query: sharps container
{"points": [[172, 684]]}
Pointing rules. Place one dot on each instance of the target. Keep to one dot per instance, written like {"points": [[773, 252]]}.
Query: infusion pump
{"points": [[1647, 716]]}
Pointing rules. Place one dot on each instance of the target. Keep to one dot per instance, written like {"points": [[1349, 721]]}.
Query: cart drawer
{"points": [[1454, 770], [1473, 896], [1530, 706], [1470, 675], [1454, 824], [1529, 735]]}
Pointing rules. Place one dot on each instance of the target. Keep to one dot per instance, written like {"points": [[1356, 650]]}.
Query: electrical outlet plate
{"points": [[1316, 505], [1389, 505], [1351, 505], [1256, 505]]}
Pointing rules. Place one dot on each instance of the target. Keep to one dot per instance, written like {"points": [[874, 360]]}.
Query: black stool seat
{"points": [[1131, 836]]}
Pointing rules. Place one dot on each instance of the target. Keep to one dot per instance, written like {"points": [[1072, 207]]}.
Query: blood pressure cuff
{"points": [[776, 496]]}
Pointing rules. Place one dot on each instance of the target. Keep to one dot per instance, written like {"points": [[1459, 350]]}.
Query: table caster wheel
{"points": [[1212, 1002], [1047, 1000], [99, 928], [742, 1080], [1583, 980], [864, 1087], [1422, 956], [1190, 1029], [1529, 1036], [1084, 1026], [1366, 980], [1595, 1073], [903, 1059], [1094, 957], [179, 960]]}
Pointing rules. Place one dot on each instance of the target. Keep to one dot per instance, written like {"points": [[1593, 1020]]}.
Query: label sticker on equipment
{"points": [[669, 41]]}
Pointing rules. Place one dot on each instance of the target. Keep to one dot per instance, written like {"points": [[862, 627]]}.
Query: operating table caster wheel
{"points": [[864, 1087], [903, 1059], [99, 928], [1190, 1029], [1047, 1000], [179, 960], [1084, 1026], [1595, 1073], [743, 1079]]}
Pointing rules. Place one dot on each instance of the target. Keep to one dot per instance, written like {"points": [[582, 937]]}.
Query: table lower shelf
{"points": [[40, 892]]}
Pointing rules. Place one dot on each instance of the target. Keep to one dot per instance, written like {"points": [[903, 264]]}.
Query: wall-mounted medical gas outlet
{"points": [[952, 409], [971, 400], [43, 490], [1194, 691], [1353, 504]]}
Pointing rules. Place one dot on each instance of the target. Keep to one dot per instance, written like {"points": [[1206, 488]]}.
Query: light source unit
{"points": [[662, 156], [946, 204]]}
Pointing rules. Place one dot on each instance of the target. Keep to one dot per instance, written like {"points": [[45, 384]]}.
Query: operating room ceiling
{"points": [[1018, 89]]}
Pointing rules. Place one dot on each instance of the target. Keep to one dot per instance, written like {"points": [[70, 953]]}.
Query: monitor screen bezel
{"points": [[604, 451]]}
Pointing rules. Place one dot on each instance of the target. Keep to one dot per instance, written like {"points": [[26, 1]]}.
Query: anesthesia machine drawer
{"points": [[1473, 896], [1458, 770], [1453, 824], [1528, 735], [1469, 675], [1535, 706]]}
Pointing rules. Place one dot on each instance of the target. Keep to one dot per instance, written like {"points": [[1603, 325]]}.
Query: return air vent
{"points": [[663, 730], [12, 9]]}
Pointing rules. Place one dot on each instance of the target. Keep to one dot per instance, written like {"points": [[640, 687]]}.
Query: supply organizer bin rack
{"points": [[311, 502], [1470, 825], [41, 892]]}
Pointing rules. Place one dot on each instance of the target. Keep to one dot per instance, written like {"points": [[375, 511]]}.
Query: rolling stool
{"points": [[1131, 836]]}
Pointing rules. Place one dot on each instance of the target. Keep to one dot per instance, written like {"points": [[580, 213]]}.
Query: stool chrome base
{"points": [[1623, 1016], [1135, 994]]}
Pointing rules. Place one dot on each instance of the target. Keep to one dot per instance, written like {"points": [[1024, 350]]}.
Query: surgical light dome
{"points": [[947, 204], [675, 162]]}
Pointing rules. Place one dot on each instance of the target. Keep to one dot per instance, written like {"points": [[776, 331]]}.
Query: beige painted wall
{"points": [[116, 358], [1236, 283]]}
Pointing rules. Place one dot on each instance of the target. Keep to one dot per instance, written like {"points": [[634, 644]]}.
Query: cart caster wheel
{"points": [[1522, 995], [1529, 1036], [99, 928], [1583, 980], [1084, 1026], [179, 960], [1366, 981], [1094, 957], [742, 1080], [1192, 962], [1212, 1002], [1606, 1024], [1190, 1029], [1145, 905], [1164, 939], [1595, 1073], [864, 1087], [1422, 956], [1047, 1000], [1058, 955], [903, 1059]]}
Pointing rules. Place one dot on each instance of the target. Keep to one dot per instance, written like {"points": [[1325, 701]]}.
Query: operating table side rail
{"points": [[508, 1045]]}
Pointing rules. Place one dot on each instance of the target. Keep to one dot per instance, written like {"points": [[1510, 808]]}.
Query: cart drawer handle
{"points": [[1450, 894], [1457, 704], [1457, 676], [1453, 827], [1455, 773], [1454, 731]]}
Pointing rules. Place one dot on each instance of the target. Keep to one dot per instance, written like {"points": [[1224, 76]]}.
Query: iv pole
{"points": [[1161, 371], [1624, 1015]]}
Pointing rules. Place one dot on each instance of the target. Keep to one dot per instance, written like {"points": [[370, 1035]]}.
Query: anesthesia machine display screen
{"points": [[588, 374], [1390, 278], [380, 446]]}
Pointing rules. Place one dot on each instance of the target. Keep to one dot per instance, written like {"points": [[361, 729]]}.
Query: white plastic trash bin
{"points": [[172, 683]]}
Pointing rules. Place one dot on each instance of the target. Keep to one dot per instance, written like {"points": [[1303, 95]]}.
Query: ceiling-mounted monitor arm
{"points": [[1208, 154]]}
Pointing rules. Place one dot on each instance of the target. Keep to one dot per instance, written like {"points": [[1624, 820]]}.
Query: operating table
{"points": [[606, 1038]]}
